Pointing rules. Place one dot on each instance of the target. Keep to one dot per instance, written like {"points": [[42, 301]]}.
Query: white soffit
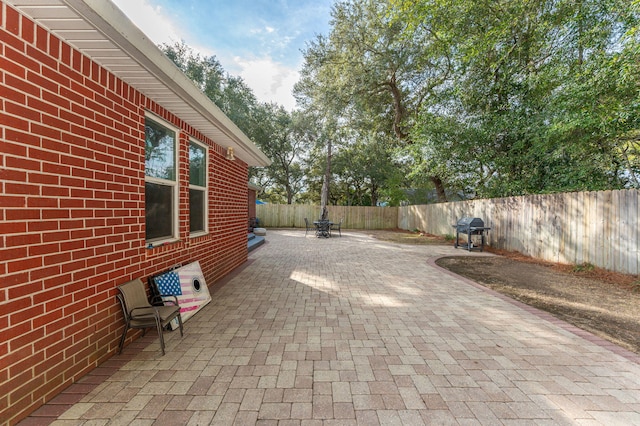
{"points": [[98, 29]]}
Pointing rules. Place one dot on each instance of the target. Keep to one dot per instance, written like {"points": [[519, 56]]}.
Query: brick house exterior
{"points": [[72, 187]]}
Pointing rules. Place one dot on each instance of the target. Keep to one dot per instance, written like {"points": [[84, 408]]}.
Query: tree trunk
{"points": [[324, 197], [437, 182], [374, 195], [398, 108]]}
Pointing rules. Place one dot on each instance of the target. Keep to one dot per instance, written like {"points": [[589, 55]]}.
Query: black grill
{"points": [[471, 226]]}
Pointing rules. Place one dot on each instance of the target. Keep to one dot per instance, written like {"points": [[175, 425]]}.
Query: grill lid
{"points": [[470, 222]]}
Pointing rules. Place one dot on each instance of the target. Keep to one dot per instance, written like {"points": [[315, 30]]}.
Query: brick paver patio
{"points": [[351, 330]]}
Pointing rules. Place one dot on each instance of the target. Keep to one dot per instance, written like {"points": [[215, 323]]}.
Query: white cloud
{"points": [[152, 20], [269, 80]]}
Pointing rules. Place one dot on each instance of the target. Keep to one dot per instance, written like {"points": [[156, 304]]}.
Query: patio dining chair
{"points": [[337, 226], [139, 313], [310, 226]]}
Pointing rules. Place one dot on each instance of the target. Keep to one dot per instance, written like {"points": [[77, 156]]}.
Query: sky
{"points": [[258, 40]]}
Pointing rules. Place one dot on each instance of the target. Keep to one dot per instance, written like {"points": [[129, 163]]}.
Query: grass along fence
{"points": [[598, 228]]}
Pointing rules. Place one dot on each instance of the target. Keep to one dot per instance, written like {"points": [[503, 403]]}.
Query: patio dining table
{"points": [[323, 228]]}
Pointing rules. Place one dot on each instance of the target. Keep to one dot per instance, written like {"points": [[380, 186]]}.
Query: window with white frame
{"points": [[161, 186], [197, 188]]}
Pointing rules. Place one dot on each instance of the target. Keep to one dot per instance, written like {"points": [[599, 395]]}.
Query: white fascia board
{"points": [[113, 23], [190, 104]]}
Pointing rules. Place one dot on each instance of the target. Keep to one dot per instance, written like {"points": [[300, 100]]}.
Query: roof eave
{"points": [[194, 106]]}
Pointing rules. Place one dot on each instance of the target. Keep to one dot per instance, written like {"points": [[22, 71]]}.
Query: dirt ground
{"points": [[604, 303]]}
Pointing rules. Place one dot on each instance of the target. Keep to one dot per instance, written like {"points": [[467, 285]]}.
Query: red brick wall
{"points": [[72, 212]]}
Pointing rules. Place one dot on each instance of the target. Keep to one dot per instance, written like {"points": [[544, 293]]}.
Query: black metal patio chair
{"points": [[310, 226], [337, 227], [139, 313]]}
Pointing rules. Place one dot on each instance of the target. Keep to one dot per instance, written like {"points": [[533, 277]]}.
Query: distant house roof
{"points": [[98, 29]]}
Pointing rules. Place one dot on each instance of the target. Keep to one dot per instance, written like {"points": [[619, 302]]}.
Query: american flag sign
{"points": [[169, 284], [194, 293]]}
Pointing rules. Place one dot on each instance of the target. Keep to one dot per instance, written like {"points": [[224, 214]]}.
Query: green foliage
{"points": [[583, 267], [425, 100], [229, 93], [279, 134], [369, 79], [283, 137], [543, 97]]}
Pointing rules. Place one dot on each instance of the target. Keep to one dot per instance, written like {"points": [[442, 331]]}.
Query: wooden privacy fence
{"points": [[600, 228], [292, 216]]}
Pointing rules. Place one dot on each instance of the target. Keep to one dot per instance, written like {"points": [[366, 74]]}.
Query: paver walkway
{"points": [[351, 330]]}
